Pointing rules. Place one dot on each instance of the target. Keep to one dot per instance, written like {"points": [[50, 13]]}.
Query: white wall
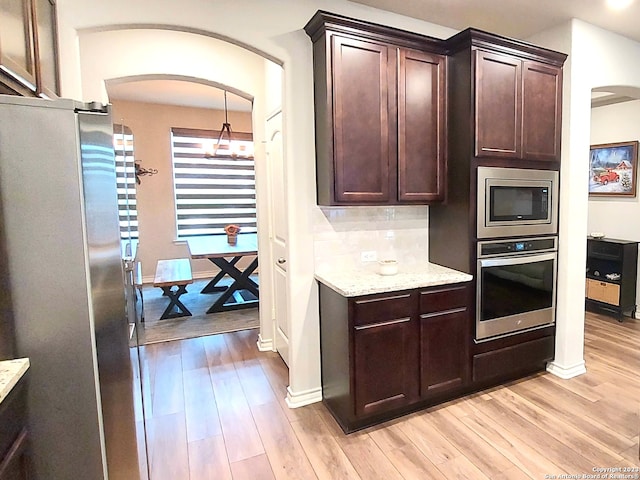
{"points": [[275, 28], [597, 58], [616, 216]]}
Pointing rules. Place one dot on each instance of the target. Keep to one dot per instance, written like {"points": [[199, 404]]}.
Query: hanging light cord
{"points": [[226, 126]]}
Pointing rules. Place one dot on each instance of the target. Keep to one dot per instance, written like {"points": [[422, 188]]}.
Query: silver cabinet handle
{"points": [[282, 260]]}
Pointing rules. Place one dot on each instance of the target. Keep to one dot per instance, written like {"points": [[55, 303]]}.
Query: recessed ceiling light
{"points": [[619, 4]]}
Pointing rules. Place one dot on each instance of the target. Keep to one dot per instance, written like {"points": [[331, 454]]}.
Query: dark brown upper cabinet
{"points": [[28, 48], [17, 46], [517, 107], [47, 48], [516, 95], [380, 104]]}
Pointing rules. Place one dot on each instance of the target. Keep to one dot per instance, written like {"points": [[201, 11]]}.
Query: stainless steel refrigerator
{"points": [[58, 184]]}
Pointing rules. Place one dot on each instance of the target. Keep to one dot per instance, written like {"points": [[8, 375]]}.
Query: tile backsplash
{"points": [[342, 234]]}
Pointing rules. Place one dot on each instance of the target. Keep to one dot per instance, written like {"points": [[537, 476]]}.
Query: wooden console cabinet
{"points": [[386, 354], [380, 106], [606, 256]]}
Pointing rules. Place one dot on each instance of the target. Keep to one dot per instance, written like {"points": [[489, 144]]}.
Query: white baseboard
{"points": [[564, 372], [295, 400], [265, 345]]}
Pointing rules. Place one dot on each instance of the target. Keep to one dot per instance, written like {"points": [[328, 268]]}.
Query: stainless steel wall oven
{"points": [[516, 285]]}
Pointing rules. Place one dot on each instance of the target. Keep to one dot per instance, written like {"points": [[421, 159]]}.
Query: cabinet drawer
{"points": [[443, 299], [603, 291], [382, 309], [512, 360]]}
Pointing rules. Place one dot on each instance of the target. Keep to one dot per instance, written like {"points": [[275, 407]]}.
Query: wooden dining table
{"points": [[243, 292]]}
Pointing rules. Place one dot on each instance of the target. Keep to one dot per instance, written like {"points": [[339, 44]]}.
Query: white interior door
{"points": [[279, 234]]}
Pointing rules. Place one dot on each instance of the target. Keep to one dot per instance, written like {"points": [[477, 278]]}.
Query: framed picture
{"points": [[612, 169]]}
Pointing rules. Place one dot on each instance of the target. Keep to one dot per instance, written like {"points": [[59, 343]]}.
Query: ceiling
{"points": [[513, 18], [176, 92], [516, 18]]}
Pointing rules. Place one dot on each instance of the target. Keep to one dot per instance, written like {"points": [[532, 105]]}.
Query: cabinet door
{"points": [[542, 100], [15, 465], [47, 48], [361, 121], [17, 50], [385, 366], [498, 105], [421, 126], [443, 350]]}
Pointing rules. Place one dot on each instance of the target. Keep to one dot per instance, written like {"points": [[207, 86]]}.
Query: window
{"points": [[125, 176], [213, 191]]}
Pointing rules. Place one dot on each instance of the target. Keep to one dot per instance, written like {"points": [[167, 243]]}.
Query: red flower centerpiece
{"points": [[232, 233]]}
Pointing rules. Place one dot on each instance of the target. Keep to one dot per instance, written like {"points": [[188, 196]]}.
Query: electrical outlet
{"points": [[370, 256]]}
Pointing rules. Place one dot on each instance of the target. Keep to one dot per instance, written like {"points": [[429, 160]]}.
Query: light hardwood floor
{"points": [[217, 411]]}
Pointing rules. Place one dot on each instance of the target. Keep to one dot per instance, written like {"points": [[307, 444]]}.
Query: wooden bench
{"points": [[170, 274]]}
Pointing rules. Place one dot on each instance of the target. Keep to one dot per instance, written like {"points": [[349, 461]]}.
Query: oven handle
{"points": [[517, 259]]}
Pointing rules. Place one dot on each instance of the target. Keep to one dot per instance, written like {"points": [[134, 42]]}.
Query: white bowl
{"points": [[388, 267], [597, 234]]}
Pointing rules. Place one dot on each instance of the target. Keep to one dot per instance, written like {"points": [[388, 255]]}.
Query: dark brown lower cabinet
{"points": [[511, 357], [384, 355], [14, 439]]}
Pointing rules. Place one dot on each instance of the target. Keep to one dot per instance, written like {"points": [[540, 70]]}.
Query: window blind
{"points": [[126, 180], [215, 191]]}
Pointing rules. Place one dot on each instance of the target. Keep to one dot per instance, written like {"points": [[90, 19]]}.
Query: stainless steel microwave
{"points": [[514, 202]]}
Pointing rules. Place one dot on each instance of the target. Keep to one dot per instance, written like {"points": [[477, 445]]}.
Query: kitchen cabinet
{"points": [[444, 330], [47, 48], [517, 107], [386, 354], [512, 93], [611, 275], [14, 438], [380, 105], [28, 48], [505, 359]]}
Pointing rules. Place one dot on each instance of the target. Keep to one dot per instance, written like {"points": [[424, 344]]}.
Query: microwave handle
{"points": [[516, 259]]}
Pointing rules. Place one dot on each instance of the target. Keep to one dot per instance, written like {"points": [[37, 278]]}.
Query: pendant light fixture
{"points": [[226, 128]]}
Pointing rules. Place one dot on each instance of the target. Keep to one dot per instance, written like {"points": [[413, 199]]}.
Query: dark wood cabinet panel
{"points": [[386, 354], [15, 465], [421, 126], [518, 108], [384, 370], [380, 309], [14, 452], [360, 119], [28, 48], [443, 351], [542, 97], [510, 361], [17, 47], [380, 111], [47, 48], [498, 105]]}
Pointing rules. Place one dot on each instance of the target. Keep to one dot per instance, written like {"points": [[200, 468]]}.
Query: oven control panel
{"points": [[525, 245]]}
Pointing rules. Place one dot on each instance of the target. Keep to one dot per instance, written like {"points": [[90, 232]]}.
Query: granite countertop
{"points": [[10, 372], [366, 281]]}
